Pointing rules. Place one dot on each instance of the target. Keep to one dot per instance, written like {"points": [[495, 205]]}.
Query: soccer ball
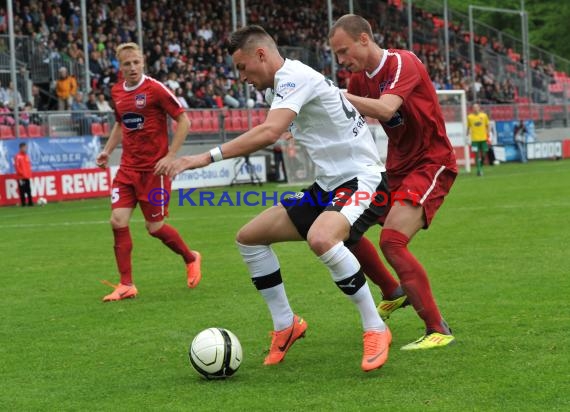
{"points": [[42, 201], [215, 353]]}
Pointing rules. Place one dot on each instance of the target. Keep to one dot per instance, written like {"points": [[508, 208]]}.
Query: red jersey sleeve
{"points": [[168, 101], [405, 74]]}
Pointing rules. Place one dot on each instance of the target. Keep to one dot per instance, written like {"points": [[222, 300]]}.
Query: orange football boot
{"points": [[282, 340], [193, 269], [121, 292], [376, 347]]}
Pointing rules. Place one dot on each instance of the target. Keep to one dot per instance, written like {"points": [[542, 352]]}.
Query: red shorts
{"points": [[152, 192], [426, 186]]}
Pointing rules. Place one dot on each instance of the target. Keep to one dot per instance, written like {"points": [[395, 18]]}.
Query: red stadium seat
{"points": [[34, 130], [197, 124], [208, 126], [97, 129], [6, 132], [216, 123]]}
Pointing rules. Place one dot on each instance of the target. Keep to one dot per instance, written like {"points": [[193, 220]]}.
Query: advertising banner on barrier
{"points": [[50, 154], [506, 131], [59, 185], [224, 173]]}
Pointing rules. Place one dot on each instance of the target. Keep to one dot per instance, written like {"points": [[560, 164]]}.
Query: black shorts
{"points": [[361, 201]]}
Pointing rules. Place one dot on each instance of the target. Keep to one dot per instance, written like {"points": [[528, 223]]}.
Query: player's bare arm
{"points": [[261, 136], [114, 139], [382, 109], [182, 128]]}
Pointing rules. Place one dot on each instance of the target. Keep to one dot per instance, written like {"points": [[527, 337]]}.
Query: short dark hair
{"points": [[22, 145], [245, 37], [353, 25]]}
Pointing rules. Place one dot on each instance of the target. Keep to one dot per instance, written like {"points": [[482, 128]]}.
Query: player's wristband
{"points": [[216, 154]]}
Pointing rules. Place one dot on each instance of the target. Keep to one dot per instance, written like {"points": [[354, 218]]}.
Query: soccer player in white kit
{"points": [[331, 214]]}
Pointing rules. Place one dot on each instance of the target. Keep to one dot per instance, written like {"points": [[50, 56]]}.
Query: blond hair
{"points": [[127, 46]]}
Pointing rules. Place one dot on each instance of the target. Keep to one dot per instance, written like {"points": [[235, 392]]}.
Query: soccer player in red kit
{"points": [[142, 107], [394, 87]]}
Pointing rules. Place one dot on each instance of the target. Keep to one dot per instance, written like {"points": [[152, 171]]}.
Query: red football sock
{"points": [[413, 278], [171, 238], [123, 247], [373, 267]]}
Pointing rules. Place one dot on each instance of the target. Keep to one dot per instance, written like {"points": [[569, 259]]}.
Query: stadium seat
{"points": [[34, 130], [97, 129], [6, 132], [197, 125], [216, 123], [262, 114], [207, 114], [255, 118]]}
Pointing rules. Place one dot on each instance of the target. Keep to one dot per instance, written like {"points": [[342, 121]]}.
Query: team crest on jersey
{"points": [[384, 84], [140, 100]]}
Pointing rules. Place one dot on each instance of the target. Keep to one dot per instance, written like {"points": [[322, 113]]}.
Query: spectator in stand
{"points": [[23, 167], [26, 117], [79, 116], [65, 89], [3, 94], [179, 93], [38, 102], [94, 66], [92, 102], [508, 91], [212, 99], [102, 103], [172, 82], [6, 116], [75, 52], [220, 90], [14, 97]]}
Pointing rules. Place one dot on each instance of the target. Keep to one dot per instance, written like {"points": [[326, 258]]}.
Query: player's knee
{"points": [[320, 242], [153, 227], [245, 236], [117, 222]]}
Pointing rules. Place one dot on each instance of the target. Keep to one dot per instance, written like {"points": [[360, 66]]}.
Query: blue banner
{"points": [[49, 154], [506, 131]]}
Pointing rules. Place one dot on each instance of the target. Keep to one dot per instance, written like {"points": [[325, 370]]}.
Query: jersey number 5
{"points": [[115, 195]]}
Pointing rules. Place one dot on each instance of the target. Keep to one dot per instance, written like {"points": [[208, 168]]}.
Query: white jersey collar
{"points": [[131, 88], [377, 69]]}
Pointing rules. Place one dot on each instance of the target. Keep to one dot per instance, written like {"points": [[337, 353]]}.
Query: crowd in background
{"points": [[186, 46]]}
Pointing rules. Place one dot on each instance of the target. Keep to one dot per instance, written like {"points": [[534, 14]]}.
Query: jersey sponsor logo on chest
{"points": [[133, 121]]}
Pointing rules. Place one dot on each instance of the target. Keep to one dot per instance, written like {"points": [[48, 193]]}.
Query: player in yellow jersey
{"points": [[478, 132]]}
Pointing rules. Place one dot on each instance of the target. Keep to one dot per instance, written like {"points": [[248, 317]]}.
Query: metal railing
{"points": [[220, 125]]}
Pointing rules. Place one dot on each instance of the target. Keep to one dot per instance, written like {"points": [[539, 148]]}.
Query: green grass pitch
{"points": [[497, 256]]}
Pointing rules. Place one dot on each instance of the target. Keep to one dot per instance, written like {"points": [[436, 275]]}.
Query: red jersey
{"points": [[23, 166], [416, 132], [142, 112]]}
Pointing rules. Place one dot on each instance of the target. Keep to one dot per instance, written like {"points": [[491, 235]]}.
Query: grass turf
{"points": [[497, 256]]}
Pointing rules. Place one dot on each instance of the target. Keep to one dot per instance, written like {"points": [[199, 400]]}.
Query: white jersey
{"points": [[334, 133]]}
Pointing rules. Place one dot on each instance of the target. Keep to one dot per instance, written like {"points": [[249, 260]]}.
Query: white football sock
{"points": [[343, 265]]}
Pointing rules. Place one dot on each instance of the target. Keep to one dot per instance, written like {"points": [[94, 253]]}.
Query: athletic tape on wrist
{"points": [[216, 154]]}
